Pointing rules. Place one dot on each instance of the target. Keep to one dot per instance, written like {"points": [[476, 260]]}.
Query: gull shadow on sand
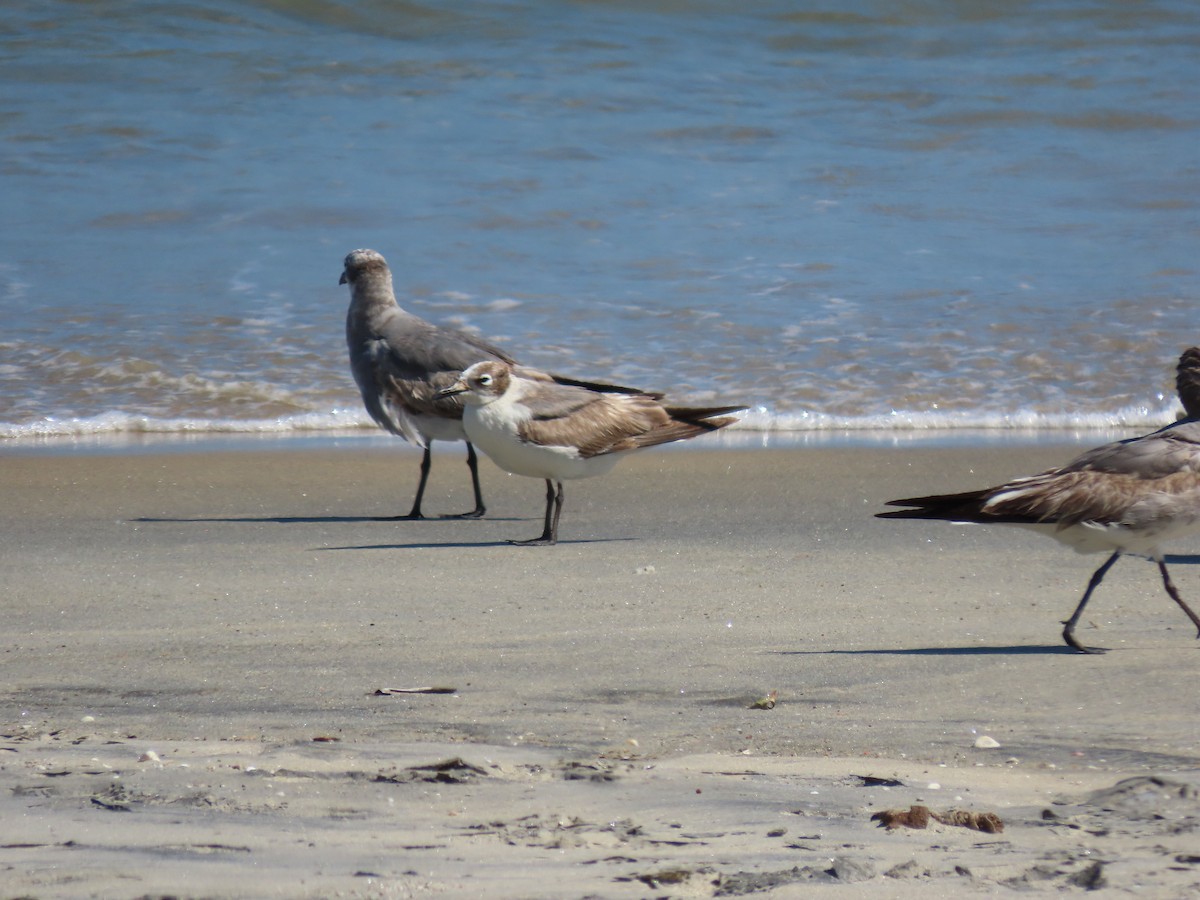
{"points": [[1021, 650], [448, 545], [324, 520], [1181, 559], [319, 520], [460, 545]]}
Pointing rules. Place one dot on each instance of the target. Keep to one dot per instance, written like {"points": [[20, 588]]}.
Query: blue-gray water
{"points": [[866, 215]]}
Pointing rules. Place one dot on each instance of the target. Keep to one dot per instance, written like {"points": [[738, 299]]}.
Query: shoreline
{"points": [[234, 613], [371, 438]]}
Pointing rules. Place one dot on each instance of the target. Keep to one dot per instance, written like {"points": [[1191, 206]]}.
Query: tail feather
{"points": [[702, 413], [965, 507], [678, 430], [942, 501]]}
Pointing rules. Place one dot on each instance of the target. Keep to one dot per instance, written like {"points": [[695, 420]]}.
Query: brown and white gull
{"points": [[530, 423], [1128, 497]]}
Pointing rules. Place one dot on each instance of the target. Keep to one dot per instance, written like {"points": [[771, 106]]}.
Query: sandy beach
{"points": [[195, 644]]}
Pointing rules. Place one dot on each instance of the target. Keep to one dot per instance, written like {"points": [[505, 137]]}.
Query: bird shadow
{"points": [[1021, 650], [1182, 559], [459, 545], [319, 520], [324, 520]]}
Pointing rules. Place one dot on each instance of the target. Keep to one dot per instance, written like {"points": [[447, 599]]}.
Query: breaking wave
{"points": [[757, 426]]}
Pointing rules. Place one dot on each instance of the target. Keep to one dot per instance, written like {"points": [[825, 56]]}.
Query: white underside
{"points": [[493, 429], [1149, 519], [421, 429], [1090, 537], [437, 428]]}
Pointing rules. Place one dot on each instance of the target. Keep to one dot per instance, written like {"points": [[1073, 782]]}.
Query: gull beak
{"points": [[343, 279], [459, 387]]}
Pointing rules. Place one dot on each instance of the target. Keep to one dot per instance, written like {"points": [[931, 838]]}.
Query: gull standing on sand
{"points": [[401, 363], [1126, 497], [531, 424]]}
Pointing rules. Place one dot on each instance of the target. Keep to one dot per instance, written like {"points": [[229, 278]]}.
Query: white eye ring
{"points": [[485, 379]]}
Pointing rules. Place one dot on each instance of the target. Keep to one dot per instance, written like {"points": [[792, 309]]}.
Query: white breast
{"points": [[495, 429], [1091, 537], [439, 428]]}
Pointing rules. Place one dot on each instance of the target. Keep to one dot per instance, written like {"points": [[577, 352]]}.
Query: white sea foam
{"points": [[117, 423], [680, 250], [758, 420], [503, 304], [762, 419]]}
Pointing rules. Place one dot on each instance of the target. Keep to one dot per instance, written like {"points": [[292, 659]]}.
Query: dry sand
{"points": [[193, 641]]}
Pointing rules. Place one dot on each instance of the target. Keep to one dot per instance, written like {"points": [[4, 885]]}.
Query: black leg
{"points": [[473, 465], [480, 509], [558, 502], [1069, 631], [550, 527], [415, 512], [1170, 586]]}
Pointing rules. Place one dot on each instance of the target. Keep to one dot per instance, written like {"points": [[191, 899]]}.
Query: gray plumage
{"points": [[1125, 497], [401, 362]]}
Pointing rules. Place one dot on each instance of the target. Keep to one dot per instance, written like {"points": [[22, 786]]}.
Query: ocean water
{"points": [[869, 217]]}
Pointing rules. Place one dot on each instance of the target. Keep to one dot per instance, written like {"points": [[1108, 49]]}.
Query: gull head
{"points": [[361, 262], [481, 383]]}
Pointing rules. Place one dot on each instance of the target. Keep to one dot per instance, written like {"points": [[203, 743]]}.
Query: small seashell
{"points": [[767, 702], [983, 742]]}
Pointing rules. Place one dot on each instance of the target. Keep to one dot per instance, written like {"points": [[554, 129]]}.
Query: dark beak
{"points": [[343, 279]]}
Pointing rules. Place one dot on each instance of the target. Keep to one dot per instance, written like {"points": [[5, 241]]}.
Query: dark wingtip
{"points": [[911, 510], [699, 414]]}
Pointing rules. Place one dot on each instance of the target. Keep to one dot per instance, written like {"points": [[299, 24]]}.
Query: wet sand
{"points": [[193, 643]]}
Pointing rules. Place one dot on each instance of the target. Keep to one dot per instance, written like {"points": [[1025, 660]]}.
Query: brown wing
{"points": [[1070, 498], [1099, 486], [595, 423], [421, 396], [1167, 451], [1052, 497], [612, 422]]}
